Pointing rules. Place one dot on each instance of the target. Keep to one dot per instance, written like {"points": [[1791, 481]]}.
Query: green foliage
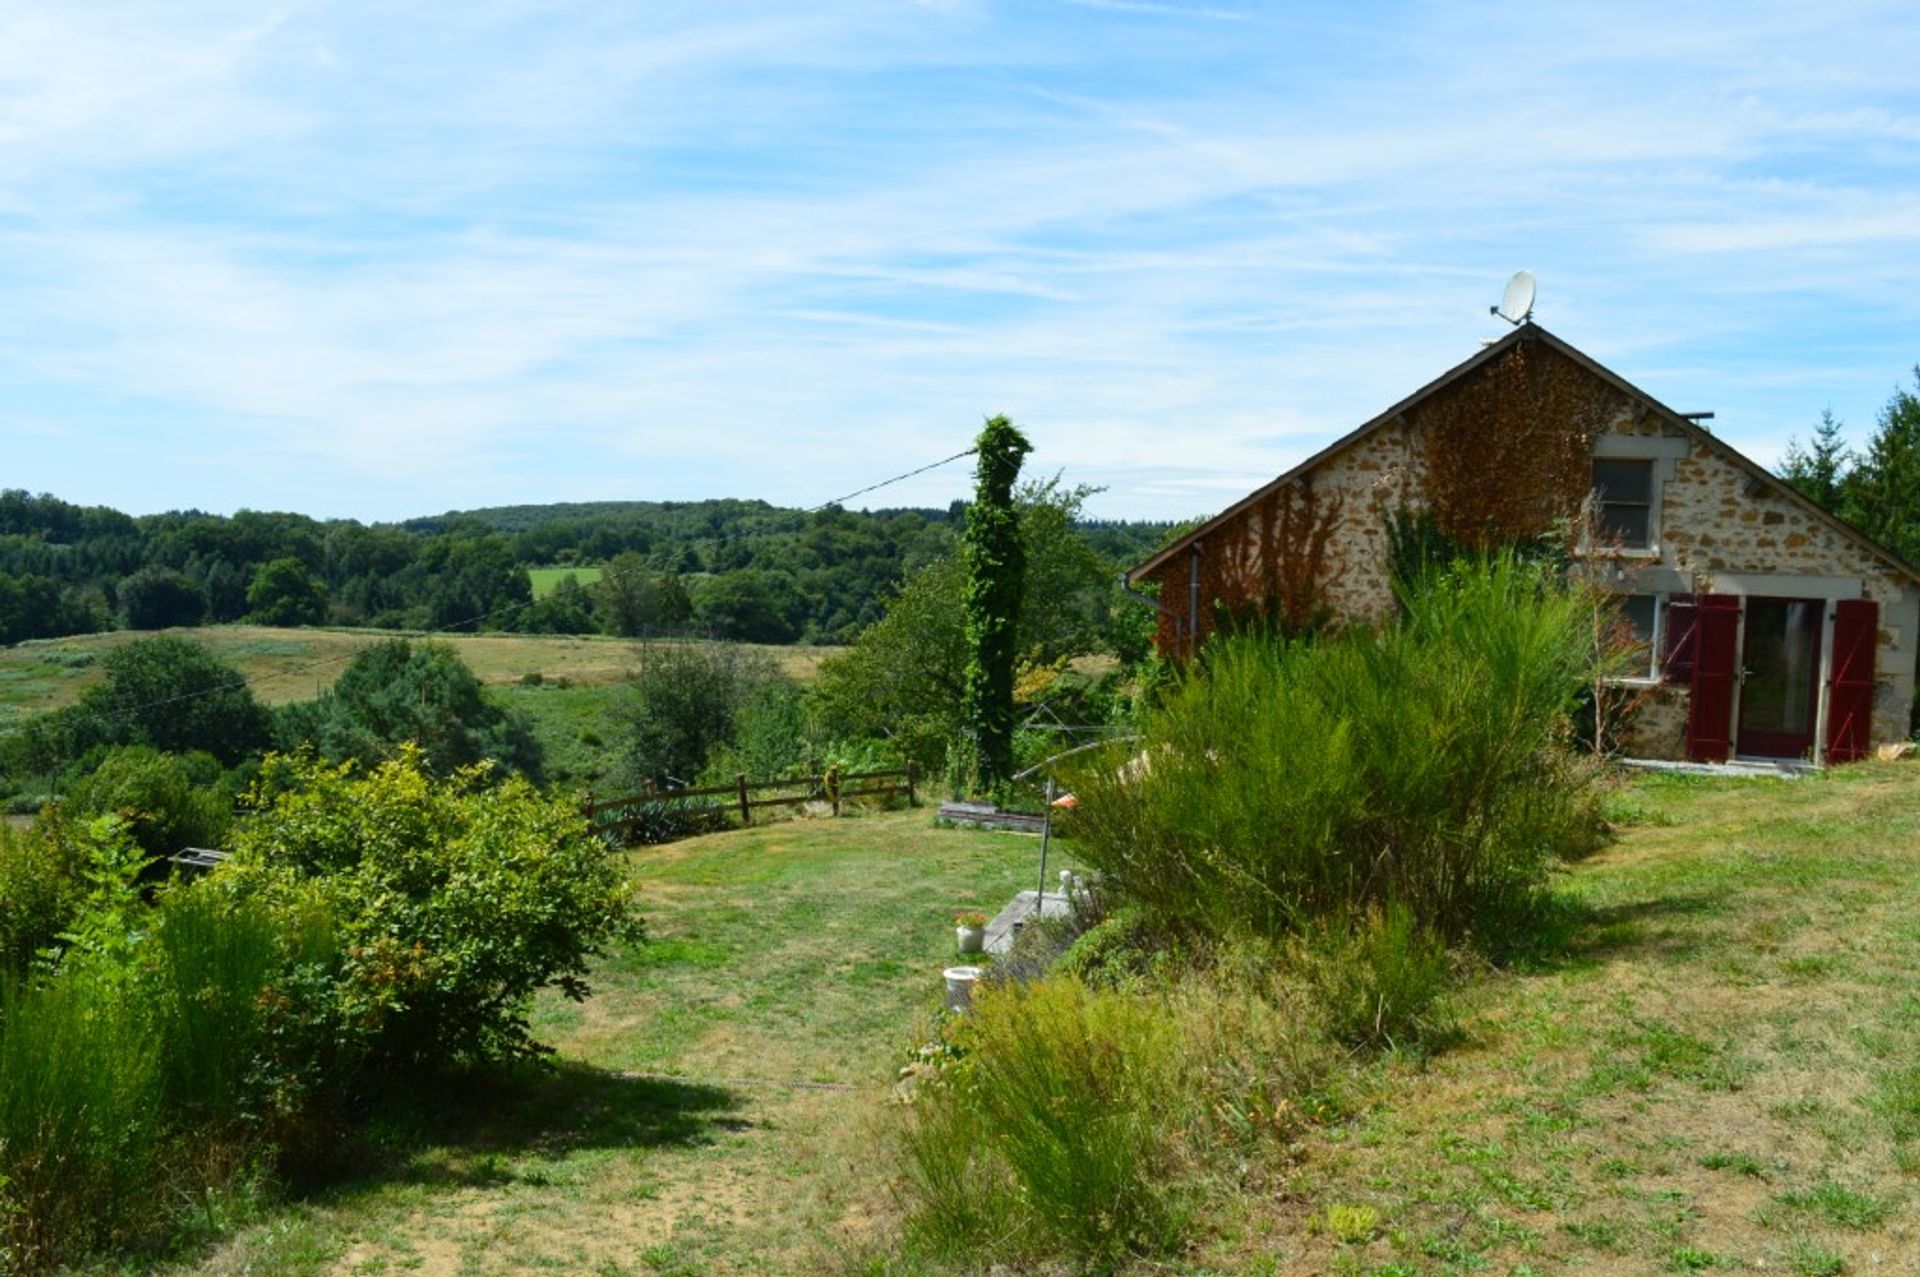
{"points": [[633, 599], [1421, 765], [285, 592], [42, 885], [685, 700], [155, 598], [80, 1123], [404, 691], [34, 606], [772, 734], [169, 693], [903, 682], [1379, 980], [1050, 1135], [1883, 490], [748, 606], [165, 800], [1876, 489], [452, 901], [995, 564], [1817, 470]]}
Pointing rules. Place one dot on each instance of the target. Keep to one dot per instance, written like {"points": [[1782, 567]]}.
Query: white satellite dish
{"points": [[1516, 304]]}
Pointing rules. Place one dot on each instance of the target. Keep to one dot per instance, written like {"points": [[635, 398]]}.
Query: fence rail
{"points": [[829, 786]]}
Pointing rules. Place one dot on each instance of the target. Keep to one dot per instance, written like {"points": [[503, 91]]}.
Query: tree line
{"points": [[728, 569], [1876, 488]]}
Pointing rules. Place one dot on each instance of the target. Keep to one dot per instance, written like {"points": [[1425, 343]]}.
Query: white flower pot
{"points": [[970, 939]]}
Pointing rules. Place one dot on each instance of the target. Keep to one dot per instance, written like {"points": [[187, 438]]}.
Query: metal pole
{"points": [[1046, 836]]}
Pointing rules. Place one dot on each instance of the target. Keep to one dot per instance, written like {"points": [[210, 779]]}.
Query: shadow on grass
{"points": [[1576, 935], [475, 1132]]}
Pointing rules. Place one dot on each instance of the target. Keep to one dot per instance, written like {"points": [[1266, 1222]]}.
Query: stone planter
{"points": [[960, 982], [970, 939]]}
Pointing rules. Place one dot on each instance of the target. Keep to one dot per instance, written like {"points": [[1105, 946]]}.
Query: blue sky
{"points": [[385, 259]]}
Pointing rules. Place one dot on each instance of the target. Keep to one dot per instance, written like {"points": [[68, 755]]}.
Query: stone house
{"points": [[1769, 628]]}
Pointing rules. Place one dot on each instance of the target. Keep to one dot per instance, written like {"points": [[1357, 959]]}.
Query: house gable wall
{"points": [[1719, 529]]}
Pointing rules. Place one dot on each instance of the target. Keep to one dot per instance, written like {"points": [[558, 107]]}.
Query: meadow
{"points": [[1711, 1067], [544, 579], [295, 664]]}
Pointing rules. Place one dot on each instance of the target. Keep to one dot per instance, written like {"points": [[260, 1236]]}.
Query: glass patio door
{"points": [[1779, 678]]}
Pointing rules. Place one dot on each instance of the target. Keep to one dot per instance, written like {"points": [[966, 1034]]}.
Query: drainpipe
{"points": [[1193, 601]]}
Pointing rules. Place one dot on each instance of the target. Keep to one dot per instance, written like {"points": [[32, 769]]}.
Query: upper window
{"points": [[1623, 497]]}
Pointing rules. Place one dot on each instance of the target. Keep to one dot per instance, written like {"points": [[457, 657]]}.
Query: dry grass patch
{"points": [[295, 664]]}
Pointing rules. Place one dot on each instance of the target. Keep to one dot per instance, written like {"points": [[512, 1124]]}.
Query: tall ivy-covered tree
{"points": [[995, 566]]}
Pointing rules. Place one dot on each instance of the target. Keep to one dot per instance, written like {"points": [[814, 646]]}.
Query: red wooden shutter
{"points": [[1856, 638], [1710, 706], [1677, 643]]}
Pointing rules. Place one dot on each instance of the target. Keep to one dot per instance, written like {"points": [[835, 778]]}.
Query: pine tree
{"points": [[1882, 492], [1819, 472]]}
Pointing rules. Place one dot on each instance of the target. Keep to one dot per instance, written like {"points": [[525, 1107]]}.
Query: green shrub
{"points": [[164, 798], [452, 901], [1380, 981], [1422, 764], [1048, 1136], [80, 1119], [42, 883]]}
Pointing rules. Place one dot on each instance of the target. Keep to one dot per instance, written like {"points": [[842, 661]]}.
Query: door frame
{"points": [[1817, 675]]}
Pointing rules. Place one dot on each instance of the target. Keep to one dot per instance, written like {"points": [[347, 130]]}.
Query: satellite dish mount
{"points": [[1516, 304]]}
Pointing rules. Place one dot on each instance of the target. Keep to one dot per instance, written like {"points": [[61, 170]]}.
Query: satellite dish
{"points": [[1516, 304]]}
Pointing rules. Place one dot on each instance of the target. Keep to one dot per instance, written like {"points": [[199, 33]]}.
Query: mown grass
{"points": [[1712, 1071], [295, 664], [1715, 1068], [712, 1106]]}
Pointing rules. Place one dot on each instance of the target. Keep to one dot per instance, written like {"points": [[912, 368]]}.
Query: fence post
{"points": [[746, 812], [910, 799], [833, 787]]}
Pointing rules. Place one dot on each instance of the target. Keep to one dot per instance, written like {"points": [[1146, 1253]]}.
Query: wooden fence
{"points": [[830, 787]]}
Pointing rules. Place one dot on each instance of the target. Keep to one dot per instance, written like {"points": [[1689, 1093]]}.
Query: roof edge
{"points": [[1530, 331]]}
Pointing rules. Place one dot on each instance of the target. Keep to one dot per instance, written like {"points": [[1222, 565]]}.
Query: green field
{"points": [[293, 664], [1717, 1069], [544, 579]]}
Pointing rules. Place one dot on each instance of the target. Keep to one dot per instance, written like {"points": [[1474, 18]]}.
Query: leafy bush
{"points": [[166, 692], [1419, 765], [452, 902], [161, 797], [685, 700], [42, 884]]}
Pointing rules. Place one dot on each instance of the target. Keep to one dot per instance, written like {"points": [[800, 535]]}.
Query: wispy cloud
{"points": [[372, 259]]}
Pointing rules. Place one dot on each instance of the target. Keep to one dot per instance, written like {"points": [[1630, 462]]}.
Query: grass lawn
{"points": [[1721, 1072], [713, 1107], [1718, 1070], [544, 579], [295, 664]]}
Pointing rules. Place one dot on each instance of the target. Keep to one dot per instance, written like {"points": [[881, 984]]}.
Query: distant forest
{"points": [[728, 568]]}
